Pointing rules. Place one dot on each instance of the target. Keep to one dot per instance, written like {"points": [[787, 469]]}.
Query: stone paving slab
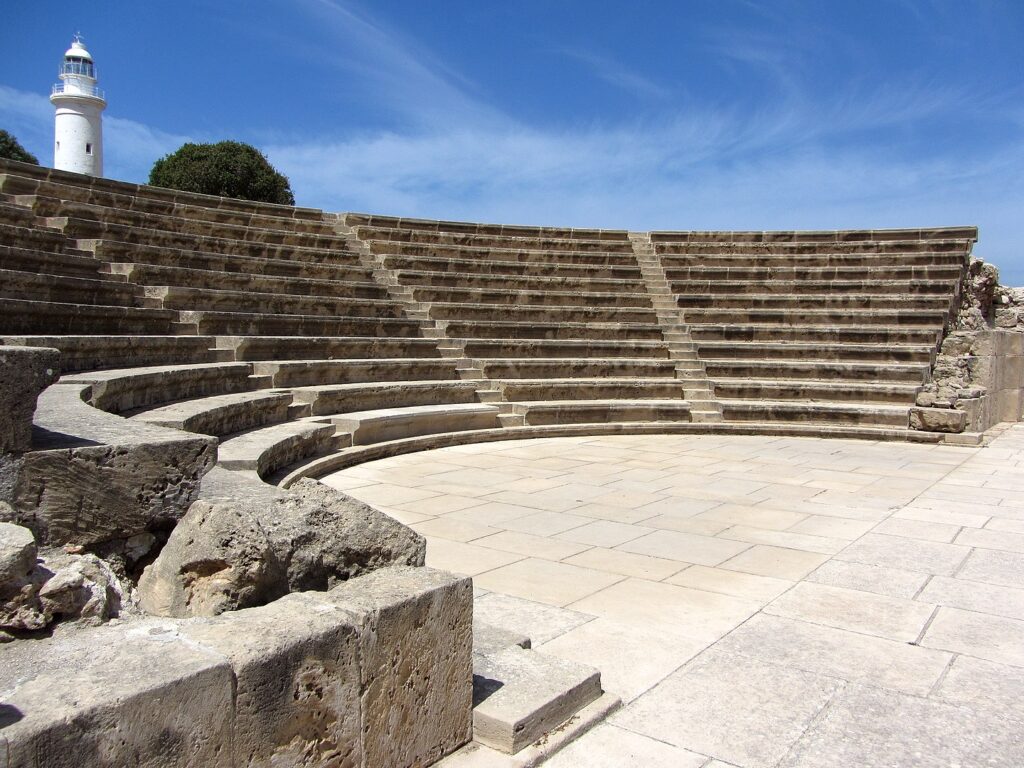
{"points": [[754, 601]]}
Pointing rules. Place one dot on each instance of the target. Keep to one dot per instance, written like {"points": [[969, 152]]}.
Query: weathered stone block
{"points": [[937, 419], [297, 698], [17, 551], [416, 647], [24, 373], [115, 695], [93, 477]]}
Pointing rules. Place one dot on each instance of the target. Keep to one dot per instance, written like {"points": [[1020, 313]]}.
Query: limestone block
{"points": [[246, 549], [115, 695], [82, 588], [296, 666], [93, 477], [17, 551], [937, 419], [416, 648], [24, 373]]}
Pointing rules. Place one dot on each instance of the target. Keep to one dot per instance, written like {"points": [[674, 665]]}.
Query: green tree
{"points": [[10, 149], [227, 169]]}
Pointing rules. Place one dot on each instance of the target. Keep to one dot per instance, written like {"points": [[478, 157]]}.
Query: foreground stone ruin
{"points": [[176, 370]]}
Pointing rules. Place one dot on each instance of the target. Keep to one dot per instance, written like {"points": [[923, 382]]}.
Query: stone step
{"points": [[557, 314], [381, 425], [66, 289], [715, 353], [375, 235], [836, 390], [221, 415], [522, 267], [717, 335], [787, 287], [316, 266], [603, 388], [87, 353], [207, 279], [304, 373], [123, 390], [811, 368], [206, 299], [899, 317], [519, 695], [68, 262], [512, 330], [860, 301], [803, 260], [564, 348], [376, 395], [601, 411], [561, 368], [882, 272], [261, 324], [265, 348], [383, 249], [872, 414], [22, 316], [461, 294], [516, 230], [517, 282], [271, 449]]}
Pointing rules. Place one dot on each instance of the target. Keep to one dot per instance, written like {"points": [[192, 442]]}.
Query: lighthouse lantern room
{"points": [[78, 123]]}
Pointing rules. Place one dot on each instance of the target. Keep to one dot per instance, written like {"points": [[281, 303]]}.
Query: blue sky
{"points": [[720, 114]]}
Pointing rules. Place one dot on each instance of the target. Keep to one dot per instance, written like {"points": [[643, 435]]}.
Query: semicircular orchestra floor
{"points": [[754, 601]]}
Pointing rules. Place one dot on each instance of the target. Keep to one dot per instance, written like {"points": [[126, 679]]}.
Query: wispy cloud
{"points": [[617, 74]]}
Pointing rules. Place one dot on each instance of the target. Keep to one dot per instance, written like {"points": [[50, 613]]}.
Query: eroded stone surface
{"points": [[24, 373]]}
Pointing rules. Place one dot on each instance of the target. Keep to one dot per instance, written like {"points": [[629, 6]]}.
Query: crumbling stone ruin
{"points": [[177, 370]]}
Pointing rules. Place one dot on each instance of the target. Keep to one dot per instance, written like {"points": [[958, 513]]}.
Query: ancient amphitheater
{"points": [[751, 496]]}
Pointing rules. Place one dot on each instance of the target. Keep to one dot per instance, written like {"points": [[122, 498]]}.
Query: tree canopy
{"points": [[11, 149], [227, 169]]}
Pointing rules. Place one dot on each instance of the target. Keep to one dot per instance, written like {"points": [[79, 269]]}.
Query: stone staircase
{"points": [[689, 367]]}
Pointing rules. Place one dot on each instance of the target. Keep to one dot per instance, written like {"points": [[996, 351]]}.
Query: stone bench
{"points": [[943, 287], [312, 265], [263, 348], [599, 259], [92, 477], [281, 231], [84, 229], [529, 296], [209, 279], [551, 313], [384, 424], [20, 316], [561, 368], [711, 352], [884, 301], [498, 329], [88, 353], [260, 324], [308, 679], [805, 260], [605, 388], [493, 241], [890, 247], [66, 289], [564, 348], [512, 282], [815, 236], [374, 395], [436, 225], [269, 449], [826, 334], [304, 373], [523, 267], [208, 299], [126, 389], [810, 368], [824, 413], [221, 415], [601, 411], [66, 261], [807, 389], [889, 318]]}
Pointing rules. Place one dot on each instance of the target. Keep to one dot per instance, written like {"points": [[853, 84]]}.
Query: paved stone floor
{"points": [[754, 601]]}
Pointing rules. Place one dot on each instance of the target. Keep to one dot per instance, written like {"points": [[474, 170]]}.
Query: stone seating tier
{"points": [[512, 242], [212, 323], [812, 236], [549, 313], [535, 330], [827, 334], [255, 348], [209, 299], [16, 284], [481, 255], [69, 261], [516, 282], [523, 296], [88, 353], [429, 225], [26, 316], [813, 259], [858, 301], [564, 348], [833, 287], [522, 267], [294, 263], [305, 373]]}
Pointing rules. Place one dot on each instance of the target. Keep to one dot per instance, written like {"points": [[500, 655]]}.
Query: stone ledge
{"points": [[24, 373]]}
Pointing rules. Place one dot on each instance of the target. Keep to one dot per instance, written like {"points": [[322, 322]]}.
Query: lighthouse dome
{"points": [[77, 51]]}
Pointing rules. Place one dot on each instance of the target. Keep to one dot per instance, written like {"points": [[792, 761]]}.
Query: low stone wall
{"points": [[376, 672]]}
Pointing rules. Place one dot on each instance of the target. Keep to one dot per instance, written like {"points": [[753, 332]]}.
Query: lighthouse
{"points": [[78, 123]]}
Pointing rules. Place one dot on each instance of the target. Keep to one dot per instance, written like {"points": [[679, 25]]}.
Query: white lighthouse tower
{"points": [[78, 124]]}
